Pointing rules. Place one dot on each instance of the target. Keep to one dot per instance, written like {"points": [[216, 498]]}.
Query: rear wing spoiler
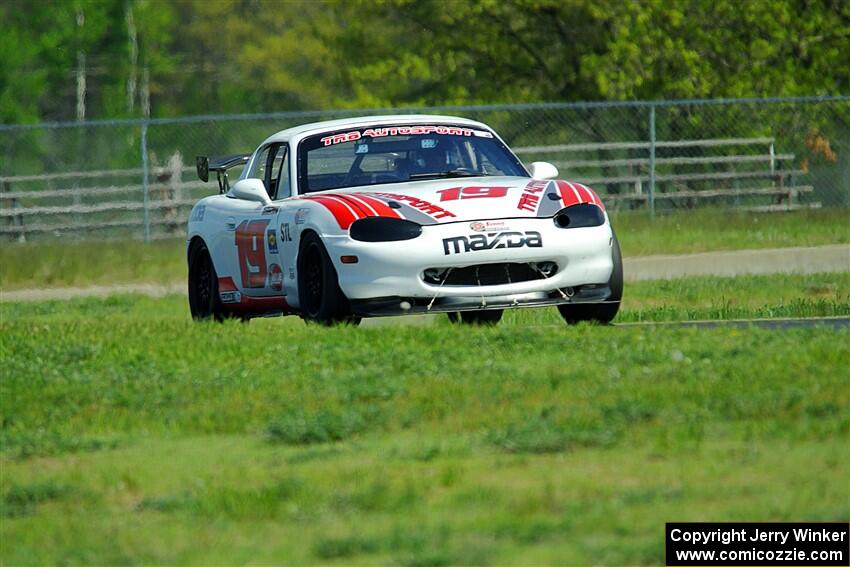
{"points": [[220, 165]]}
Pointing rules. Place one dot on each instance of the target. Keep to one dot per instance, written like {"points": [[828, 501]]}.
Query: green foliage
{"points": [[733, 49], [213, 57], [485, 51], [43, 43]]}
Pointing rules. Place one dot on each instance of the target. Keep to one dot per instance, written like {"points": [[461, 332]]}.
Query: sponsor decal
{"points": [[276, 277], [272, 238], [198, 213], [417, 130], [230, 296], [530, 198], [435, 211], [486, 226], [291, 273], [362, 149], [285, 234], [491, 241], [301, 216]]}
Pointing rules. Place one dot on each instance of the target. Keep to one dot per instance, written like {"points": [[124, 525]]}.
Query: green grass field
{"points": [[41, 265], [711, 229], [743, 297], [132, 435]]}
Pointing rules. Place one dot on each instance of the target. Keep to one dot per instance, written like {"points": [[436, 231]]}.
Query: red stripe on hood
{"points": [[569, 194], [576, 193], [380, 207], [354, 204], [343, 214], [596, 199]]}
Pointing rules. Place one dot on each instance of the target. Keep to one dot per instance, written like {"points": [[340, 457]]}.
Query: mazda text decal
{"points": [[492, 240]]}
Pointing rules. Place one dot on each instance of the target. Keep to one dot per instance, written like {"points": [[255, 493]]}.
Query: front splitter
{"points": [[397, 305]]}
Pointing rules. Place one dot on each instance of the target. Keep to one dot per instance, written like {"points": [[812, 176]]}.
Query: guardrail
{"points": [[112, 178], [672, 173], [170, 198], [88, 210]]}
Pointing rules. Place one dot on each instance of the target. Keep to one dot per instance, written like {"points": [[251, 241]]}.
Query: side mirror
{"points": [[543, 170], [250, 190]]}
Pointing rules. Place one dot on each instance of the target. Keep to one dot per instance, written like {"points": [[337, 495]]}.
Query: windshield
{"points": [[393, 154]]}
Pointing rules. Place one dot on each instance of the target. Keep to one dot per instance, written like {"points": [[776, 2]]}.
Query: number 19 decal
{"points": [[456, 193], [251, 249]]}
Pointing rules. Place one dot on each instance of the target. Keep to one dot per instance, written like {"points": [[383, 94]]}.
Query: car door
{"points": [[254, 244], [279, 232]]}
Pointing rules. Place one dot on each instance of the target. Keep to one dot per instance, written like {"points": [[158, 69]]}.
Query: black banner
{"points": [[728, 543]]}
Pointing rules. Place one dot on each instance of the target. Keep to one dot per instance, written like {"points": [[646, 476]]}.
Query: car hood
{"points": [[458, 199]]}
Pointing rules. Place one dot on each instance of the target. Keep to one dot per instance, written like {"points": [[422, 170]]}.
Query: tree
{"points": [[725, 48], [253, 55]]}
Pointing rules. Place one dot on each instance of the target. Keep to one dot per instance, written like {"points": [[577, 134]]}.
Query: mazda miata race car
{"points": [[394, 215]]}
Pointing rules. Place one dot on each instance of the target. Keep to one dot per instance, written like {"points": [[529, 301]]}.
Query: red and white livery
{"points": [[394, 215]]}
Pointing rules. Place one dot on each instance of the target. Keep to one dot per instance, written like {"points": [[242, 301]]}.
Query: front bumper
{"points": [[390, 272]]}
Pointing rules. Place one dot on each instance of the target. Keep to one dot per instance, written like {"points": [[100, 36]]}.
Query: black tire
{"points": [[484, 317], [319, 295], [204, 302], [600, 312]]}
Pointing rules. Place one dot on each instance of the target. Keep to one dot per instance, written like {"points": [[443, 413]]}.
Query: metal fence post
{"points": [[652, 160], [145, 187]]}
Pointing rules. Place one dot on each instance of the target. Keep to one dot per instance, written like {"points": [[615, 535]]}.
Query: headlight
{"points": [[579, 216], [383, 229]]}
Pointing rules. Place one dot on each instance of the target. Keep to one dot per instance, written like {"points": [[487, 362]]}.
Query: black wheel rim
{"points": [[313, 280]]}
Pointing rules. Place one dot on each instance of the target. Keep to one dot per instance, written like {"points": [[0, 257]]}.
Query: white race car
{"points": [[396, 215]]}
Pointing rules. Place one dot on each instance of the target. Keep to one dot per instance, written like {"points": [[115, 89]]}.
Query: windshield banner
{"points": [[417, 130]]}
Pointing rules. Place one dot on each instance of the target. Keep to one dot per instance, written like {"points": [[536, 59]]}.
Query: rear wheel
{"points": [[600, 312], [484, 317], [321, 299], [204, 302]]}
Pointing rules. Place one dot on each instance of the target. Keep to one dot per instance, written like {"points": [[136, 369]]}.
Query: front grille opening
{"points": [[490, 274]]}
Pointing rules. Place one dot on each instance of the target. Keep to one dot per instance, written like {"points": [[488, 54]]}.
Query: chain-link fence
{"points": [[136, 178]]}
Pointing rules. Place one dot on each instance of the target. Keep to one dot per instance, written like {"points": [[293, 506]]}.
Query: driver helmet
{"points": [[431, 159]]}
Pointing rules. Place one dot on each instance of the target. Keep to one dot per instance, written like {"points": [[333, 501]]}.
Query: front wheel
{"points": [[484, 317], [600, 312], [321, 299]]}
